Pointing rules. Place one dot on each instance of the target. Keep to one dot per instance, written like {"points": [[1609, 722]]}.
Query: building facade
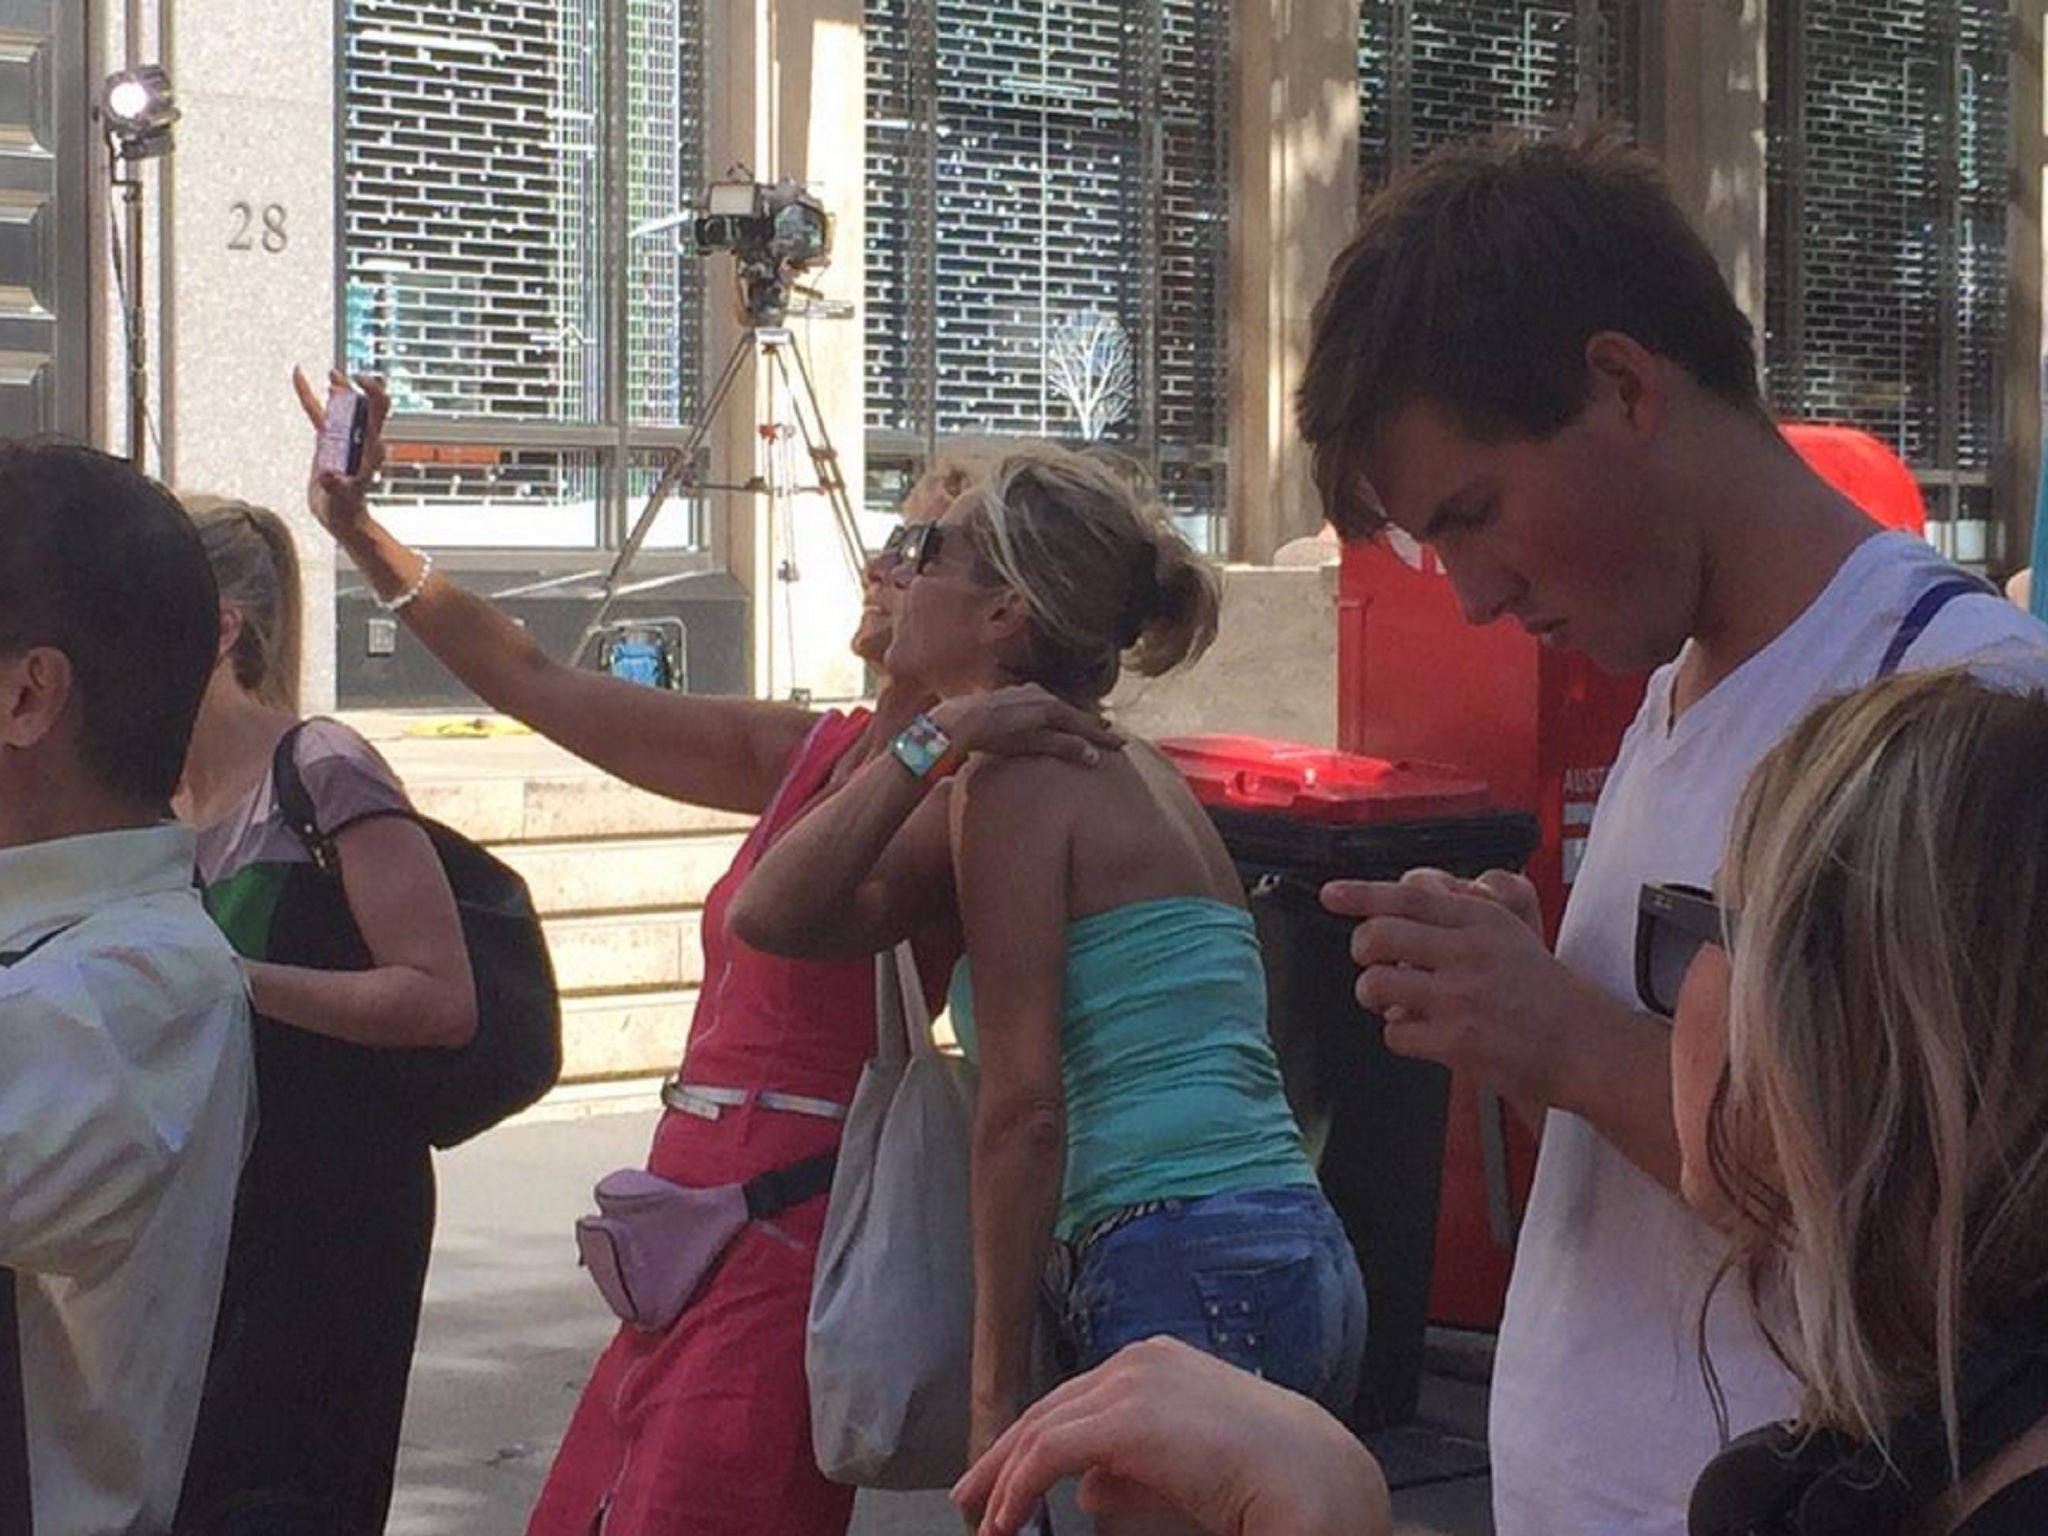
{"points": [[1099, 220]]}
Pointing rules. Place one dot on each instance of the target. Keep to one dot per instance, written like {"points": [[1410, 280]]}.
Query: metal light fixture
{"points": [[137, 111]]}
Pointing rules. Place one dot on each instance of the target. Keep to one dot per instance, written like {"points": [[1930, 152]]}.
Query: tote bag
{"points": [[892, 1304]]}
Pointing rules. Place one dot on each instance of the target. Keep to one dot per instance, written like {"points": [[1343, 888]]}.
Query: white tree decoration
{"points": [[1088, 363]]}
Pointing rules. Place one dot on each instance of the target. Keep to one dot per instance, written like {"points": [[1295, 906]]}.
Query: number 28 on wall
{"points": [[258, 228]]}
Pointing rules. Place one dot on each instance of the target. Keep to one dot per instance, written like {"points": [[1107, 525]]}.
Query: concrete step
{"points": [[613, 1035], [641, 874], [632, 952], [561, 807]]}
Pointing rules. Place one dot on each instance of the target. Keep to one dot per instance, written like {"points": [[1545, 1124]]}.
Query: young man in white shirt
{"points": [[1528, 360], [126, 1093]]}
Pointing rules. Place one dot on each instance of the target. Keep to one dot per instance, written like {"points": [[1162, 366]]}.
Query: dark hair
{"points": [[1475, 282], [103, 565]]}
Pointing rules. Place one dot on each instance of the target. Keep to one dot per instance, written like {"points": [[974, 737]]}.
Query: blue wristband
{"points": [[924, 748]]}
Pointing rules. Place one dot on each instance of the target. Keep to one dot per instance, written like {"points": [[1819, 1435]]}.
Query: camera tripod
{"points": [[776, 345]]}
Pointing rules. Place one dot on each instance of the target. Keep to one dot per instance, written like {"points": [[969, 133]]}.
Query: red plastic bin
{"points": [[1252, 773], [1374, 1121]]}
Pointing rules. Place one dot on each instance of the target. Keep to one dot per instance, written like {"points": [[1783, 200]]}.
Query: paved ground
{"points": [[512, 1326]]}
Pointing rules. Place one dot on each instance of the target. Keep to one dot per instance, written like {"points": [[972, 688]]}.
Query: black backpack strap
{"points": [[1921, 614], [773, 1192], [17, 1508], [295, 805]]}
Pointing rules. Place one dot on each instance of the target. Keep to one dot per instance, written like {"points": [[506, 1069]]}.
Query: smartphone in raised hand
{"points": [[340, 449]]}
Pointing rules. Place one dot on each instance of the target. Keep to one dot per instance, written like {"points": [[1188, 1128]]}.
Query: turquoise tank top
{"points": [[1172, 1087]]}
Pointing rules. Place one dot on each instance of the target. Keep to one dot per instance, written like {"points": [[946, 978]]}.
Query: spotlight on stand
{"points": [[137, 111]]}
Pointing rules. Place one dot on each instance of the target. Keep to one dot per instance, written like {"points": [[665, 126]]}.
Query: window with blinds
{"points": [[501, 161], [1047, 245], [1431, 71], [1889, 148]]}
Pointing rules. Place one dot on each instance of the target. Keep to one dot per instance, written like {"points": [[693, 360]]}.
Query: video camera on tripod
{"points": [[774, 231]]}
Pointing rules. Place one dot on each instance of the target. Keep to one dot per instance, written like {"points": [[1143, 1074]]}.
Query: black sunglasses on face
{"points": [[1672, 922], [921, 545]]}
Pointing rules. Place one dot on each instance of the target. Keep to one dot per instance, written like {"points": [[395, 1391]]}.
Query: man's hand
{"points": [[1459, 971], [1162, 1428]]}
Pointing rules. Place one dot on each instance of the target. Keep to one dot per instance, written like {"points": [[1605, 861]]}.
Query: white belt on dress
{"points": [[707, 1102]]}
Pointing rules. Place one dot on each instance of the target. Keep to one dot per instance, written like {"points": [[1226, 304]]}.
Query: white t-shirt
{"points": [[1600, 1419], [127, 1098]]}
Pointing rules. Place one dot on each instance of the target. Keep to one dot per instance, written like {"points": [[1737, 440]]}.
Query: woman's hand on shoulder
{"points": [[1025, 721]]}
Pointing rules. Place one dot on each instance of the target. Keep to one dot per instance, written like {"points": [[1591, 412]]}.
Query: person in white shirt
{"points": [[1527, 360], [126, 1094]]}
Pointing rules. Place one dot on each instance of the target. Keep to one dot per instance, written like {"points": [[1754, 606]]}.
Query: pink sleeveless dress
{"points": [[705, 1430]]}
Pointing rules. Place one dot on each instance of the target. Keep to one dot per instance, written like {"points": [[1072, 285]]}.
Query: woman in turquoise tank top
{"points": [[1130, 1104]]}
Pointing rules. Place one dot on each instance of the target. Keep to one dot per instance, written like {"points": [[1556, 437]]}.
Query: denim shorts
{"points": [[1262, 1278]]}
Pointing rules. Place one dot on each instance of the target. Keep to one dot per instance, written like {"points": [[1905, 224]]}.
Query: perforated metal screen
{"points": [[1041, 173], [497, 157], [1890, 143], [1430, 71]]}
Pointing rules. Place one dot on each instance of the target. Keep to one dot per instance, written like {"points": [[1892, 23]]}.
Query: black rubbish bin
{"points": [[1373, 1121]]}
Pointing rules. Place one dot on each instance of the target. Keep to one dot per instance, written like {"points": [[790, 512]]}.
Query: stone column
{"points": [[1294, 174], [788, 98], [1703, 114], [249, 256]]}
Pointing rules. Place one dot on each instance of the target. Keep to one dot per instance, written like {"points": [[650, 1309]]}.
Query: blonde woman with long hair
{"points": [[1860, 1081], [1860, 1087]]}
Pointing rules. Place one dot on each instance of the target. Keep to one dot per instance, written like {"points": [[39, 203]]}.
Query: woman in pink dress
{"points": [[703, 1428]]}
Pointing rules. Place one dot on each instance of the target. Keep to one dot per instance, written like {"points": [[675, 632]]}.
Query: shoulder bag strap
{"points": [[296, 805], [1921, 614], [891, 1033], [903, 1022], [917, 1014], [772, 1193]]}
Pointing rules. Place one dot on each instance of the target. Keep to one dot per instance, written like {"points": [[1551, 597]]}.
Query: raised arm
{"points": [[842, 882], [418, 989], [726, 753], [855, 874], [1011, 849]]}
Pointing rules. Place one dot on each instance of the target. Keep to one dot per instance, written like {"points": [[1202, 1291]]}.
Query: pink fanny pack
{"points": [[653, 1242]]}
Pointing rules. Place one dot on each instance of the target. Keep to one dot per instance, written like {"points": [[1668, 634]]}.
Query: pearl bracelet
{"points": [[419, 582]]}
